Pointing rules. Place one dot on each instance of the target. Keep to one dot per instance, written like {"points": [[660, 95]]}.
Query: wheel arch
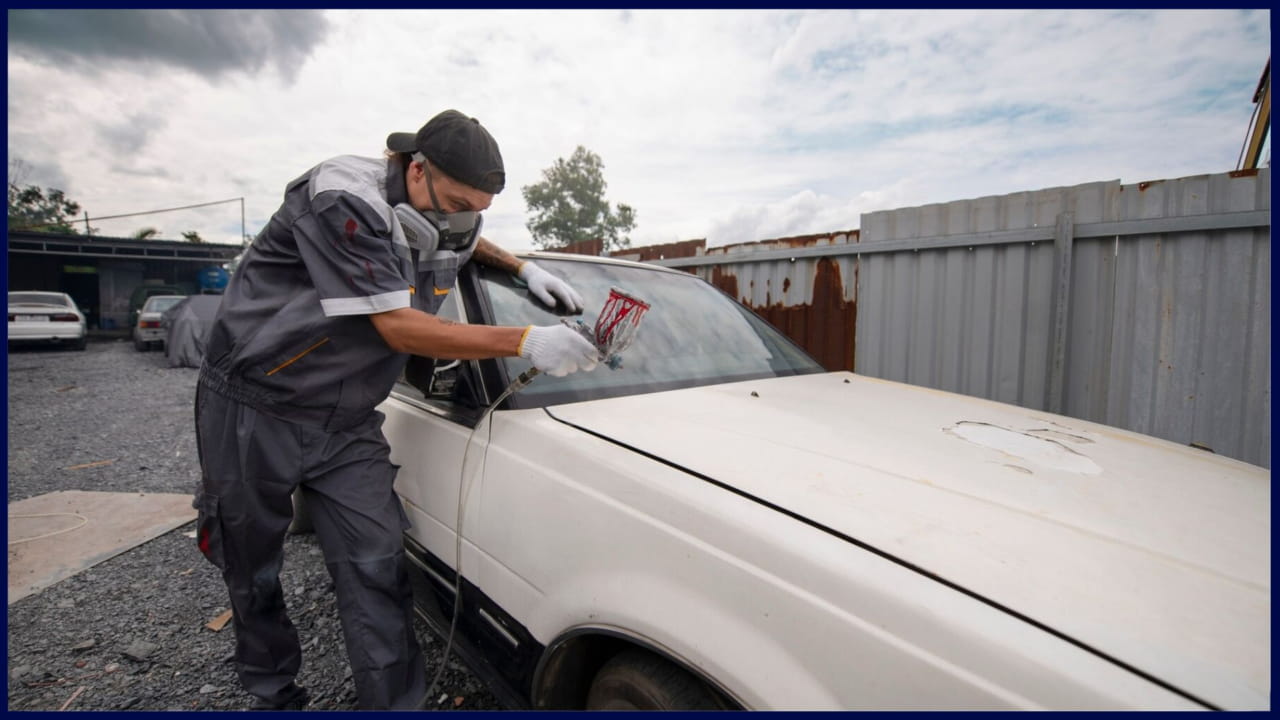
{"points": [[564, 673]]}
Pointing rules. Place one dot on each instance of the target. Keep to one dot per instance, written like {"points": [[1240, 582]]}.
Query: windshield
{"points": [[692, 335], [160, 303], [38, 298]]}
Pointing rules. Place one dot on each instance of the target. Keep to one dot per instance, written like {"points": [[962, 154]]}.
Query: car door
{"points": [[445, 402]]}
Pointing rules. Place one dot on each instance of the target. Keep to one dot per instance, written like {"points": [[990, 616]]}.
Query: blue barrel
{"points": [[213, 279]]}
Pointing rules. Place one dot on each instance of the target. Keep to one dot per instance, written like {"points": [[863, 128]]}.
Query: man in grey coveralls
{"points": [[314, 328]]}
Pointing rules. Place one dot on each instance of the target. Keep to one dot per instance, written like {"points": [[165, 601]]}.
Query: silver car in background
{"points": [[44, 317]]}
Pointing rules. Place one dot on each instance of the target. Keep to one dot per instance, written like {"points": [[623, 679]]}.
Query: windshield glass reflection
{"points": [[692, 335]]}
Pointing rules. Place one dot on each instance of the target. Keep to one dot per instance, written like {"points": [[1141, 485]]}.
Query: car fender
{"points": [[682, 624], [592, 534], [650, 576]]}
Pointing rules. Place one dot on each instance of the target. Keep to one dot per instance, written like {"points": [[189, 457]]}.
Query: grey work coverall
{"points": [[286, 397]]}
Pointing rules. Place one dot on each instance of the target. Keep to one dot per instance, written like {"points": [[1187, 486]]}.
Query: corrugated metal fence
{"points": [[1144, 306]]}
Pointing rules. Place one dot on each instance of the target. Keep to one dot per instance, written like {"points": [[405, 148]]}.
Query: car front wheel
{"points": [[640, 680]]}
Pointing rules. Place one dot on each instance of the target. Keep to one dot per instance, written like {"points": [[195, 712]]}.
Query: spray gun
{"points": [[614, 331]]}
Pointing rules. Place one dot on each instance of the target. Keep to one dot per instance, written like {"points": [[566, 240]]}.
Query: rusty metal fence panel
{"points": [[1142, 306], [811, 299]]}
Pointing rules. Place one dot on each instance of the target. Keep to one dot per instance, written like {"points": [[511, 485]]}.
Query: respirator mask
{"points": [[432, 230]]}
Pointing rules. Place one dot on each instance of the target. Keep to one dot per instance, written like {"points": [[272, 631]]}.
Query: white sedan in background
{"points": [[43, 317], [148, 331], [719, 523]]}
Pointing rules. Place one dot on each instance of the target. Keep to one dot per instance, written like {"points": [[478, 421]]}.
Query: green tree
{"points": [[568, 205], [34, 208], [192, 236]]}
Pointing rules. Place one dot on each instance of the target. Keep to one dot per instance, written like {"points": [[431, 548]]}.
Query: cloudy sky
{"points": [[732, 126]]}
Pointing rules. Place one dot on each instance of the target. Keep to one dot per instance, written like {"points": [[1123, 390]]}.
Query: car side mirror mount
{"points": [[444, 379], [448, 381]]}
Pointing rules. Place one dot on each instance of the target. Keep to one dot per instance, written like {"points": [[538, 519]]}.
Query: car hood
{"points": [[1154, 554]]}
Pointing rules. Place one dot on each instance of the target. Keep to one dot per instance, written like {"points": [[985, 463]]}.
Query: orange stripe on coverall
{"points": [[295, 358]]}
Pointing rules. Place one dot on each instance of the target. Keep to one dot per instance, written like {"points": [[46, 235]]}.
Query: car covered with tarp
{"points": [[186, 326]]}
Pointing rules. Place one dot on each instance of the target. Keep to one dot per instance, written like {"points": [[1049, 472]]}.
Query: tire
{"points": [[140, 346], [640, 680], [80, 344]]}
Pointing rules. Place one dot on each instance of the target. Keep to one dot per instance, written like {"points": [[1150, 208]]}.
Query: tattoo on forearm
{"points": [[492, 255]]}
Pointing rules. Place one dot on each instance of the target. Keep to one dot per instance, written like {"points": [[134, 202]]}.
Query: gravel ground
{"points": [[129, 633]]}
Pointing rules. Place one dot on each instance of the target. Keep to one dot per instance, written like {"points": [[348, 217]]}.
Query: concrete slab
{"points": [[54, 536]]}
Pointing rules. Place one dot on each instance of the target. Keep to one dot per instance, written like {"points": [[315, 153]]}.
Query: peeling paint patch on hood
{"points": [[1048, 453]]}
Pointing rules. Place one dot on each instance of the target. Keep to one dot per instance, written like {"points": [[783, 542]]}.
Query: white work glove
{"points": [[557, 350], [549, 288]]}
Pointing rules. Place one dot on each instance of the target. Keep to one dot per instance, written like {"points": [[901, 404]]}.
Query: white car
{"points": [[46, 317], [148, 331], [719, 523]]}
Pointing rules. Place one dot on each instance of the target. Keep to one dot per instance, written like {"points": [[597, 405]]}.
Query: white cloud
{"points": [[729, 125]]}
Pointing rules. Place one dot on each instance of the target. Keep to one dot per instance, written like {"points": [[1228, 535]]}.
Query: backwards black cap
{"points": [[459, 146]]}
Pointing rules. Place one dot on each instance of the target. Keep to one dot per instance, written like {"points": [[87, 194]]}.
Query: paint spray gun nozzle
{"points": [[613, 332]]}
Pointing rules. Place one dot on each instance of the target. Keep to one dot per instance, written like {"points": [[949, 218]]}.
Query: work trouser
{"points": [[250, 464]]}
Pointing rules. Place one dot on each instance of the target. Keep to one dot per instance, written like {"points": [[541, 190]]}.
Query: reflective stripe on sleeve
{"points": [[367, 305]]}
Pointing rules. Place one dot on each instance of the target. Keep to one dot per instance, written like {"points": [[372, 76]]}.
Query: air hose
{"points": [[516, 385], [614, 330]]}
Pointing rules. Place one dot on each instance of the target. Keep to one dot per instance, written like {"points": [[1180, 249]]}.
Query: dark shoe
{"points": [[295, 698]]}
